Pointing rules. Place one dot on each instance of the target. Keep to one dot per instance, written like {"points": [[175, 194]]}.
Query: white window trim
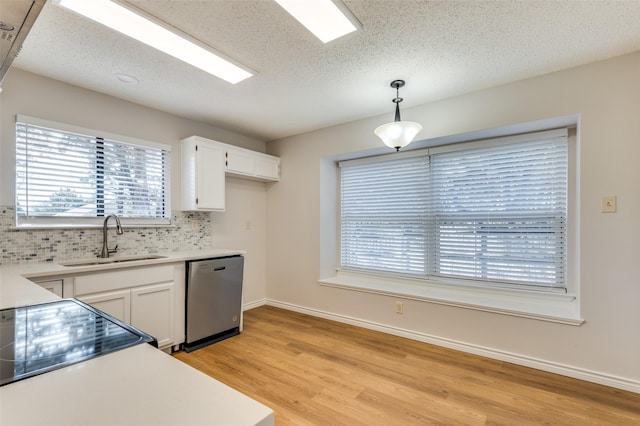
{"points": [[97, 222], [90, 132], [563, 308], [511, 141], [554, 307]]}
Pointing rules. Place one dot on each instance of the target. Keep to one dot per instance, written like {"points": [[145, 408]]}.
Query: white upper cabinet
{"points": [[251, 164], [239, 161], [203, 164], [268, 167]]}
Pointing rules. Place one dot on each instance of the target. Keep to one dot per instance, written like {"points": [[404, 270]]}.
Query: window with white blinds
{"points": [[63, 174], [383, 221], [485, 212]]}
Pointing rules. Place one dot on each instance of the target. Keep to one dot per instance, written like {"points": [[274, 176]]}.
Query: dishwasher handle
{"points": [[219, 268]]}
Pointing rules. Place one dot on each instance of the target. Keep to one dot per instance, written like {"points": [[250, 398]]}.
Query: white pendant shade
{"points": [[398, 134]]}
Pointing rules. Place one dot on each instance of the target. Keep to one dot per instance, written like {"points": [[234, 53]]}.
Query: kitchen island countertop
{"points": [[136, 386]]}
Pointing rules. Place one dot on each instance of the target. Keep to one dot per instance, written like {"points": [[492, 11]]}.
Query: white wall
{"points": [[37, 96], [243, 226], [30, 94], [606, 348]]}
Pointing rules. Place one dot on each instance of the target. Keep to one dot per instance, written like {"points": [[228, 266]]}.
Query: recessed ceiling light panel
{"points": [[138, 27], [326, 19]]}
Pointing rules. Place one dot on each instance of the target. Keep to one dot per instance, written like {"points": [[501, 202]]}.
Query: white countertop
{"points": [[44, 269], [135, 386], [14, 292]]}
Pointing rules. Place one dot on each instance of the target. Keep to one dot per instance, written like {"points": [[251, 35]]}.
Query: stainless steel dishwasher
{"points": [[214, 300]]}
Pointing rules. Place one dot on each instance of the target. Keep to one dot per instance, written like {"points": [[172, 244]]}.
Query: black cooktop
{"points": [[40, 338]]}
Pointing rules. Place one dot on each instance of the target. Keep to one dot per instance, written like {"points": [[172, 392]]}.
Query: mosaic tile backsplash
{"points": [[188, 231]]}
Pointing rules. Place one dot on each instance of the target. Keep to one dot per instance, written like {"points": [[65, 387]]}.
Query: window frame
{"points": [[72, 222], [377, 278], [431, 159], [555, 308]]}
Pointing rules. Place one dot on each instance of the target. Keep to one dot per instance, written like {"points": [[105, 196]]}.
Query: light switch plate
{"points": [[609, 204]]}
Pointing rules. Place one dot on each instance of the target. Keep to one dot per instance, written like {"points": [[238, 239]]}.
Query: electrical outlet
{"points": [[399, 308], [609, 204]]}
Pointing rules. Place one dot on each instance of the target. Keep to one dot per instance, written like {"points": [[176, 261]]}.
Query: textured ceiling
{"points": [[441, 49]]}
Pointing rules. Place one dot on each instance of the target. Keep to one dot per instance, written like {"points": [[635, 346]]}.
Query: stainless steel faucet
{"points": [[119, 231]]}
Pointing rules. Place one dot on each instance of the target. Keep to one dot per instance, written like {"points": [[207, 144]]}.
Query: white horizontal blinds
{"points": [[382, 212], [66, 174], [53, 172], [134, 184], [499, 213]]}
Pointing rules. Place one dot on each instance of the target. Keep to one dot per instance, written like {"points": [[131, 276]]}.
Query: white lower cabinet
{"points": [[152, 311], [143, 297], [54, 286], [115, 303], [148, 308]]}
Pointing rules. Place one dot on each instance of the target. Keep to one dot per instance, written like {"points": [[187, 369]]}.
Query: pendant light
{"points": [[398, 133]]}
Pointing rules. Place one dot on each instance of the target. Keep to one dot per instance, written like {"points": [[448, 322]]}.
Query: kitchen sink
{"points": [[108, 260]]}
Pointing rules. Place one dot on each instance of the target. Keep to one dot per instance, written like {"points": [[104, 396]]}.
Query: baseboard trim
{"points": [[539, 364], [254, 304]]}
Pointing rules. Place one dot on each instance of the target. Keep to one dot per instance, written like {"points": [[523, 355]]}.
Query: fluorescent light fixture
{"points": [[326, 19], [129, 23]]}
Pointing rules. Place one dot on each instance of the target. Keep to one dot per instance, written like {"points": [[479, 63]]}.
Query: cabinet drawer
{"points": [[123, 278]]}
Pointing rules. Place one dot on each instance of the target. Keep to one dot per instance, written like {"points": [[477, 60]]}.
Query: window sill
{"points": [[558, 308]]}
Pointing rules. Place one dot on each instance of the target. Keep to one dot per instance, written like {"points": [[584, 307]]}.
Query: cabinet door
{"points": [[210, 177], [152, 311], [240, 161], [115, 303], [268, 167], [54, 286], [253, 165]]}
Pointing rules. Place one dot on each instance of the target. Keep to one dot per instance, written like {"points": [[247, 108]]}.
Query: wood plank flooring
{"points": [[313, 371]]}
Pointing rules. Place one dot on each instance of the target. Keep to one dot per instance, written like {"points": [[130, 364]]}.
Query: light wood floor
{"points": [[312, 371]]}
